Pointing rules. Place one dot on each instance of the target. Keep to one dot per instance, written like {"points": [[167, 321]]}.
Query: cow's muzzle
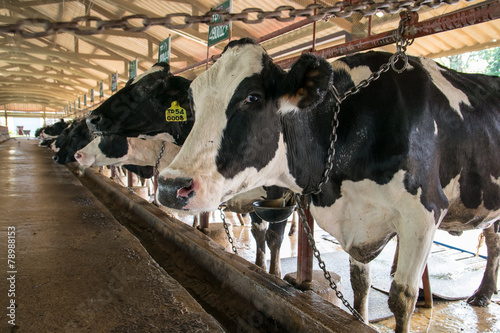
{"points": [[176, 192]]}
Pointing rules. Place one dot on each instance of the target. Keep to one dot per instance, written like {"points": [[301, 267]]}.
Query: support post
{"points": [[305, 254]]}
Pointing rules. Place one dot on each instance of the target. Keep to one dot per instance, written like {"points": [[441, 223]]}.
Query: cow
{"points": [[118, 150], [415, 152], [73, 138], [139, 109], [48, 134]]}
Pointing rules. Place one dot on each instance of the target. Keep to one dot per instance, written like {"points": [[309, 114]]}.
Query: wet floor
{"points": [[443, 317]]}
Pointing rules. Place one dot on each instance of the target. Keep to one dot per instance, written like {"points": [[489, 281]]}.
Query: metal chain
{"points": [[92, 25], [121, 183], [322, 265], [401, 43], [160, 155], [226, 229]]}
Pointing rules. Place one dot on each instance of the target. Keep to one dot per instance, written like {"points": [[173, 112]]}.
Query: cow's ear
{"points": [[307, 82]]}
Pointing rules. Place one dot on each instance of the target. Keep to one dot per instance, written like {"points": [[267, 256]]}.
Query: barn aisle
{"points": [[76, 269]]}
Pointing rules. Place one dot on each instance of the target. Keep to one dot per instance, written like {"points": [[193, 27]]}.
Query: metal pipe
{"points": [[484, 12], [267, 37]]}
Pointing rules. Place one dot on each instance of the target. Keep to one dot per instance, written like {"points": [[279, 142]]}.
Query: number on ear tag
{"points": [[175, 113]]}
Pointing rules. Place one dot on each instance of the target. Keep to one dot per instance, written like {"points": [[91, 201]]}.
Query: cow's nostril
{"points": [[94, 119], [186, 190]]}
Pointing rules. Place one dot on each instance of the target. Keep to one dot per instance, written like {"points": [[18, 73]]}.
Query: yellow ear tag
{"points": [[175, 112]]}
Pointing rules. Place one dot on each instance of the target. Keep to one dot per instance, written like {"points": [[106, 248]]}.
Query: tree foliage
{"points": [[484, 61]]}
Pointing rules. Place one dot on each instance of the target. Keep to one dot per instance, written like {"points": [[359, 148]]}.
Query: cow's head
{"points": [[140, 107], [72, 139], [237, 142], [103, 150]]}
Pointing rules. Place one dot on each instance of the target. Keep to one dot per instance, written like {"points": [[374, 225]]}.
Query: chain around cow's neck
{"points": [[401, 44]]}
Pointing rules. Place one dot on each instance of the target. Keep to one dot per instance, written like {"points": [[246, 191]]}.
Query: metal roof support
{"points": [[484, 12]]}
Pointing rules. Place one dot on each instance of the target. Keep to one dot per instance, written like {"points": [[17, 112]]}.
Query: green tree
{"points": [[484, 61]]}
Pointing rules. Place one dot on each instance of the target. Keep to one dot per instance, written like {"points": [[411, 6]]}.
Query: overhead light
{"points": [[379, 14]]}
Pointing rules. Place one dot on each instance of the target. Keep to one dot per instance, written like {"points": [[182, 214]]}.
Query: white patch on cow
{"points": [[160, 136], [367, 213], [357, 74], [455, 96], [153, 69]]}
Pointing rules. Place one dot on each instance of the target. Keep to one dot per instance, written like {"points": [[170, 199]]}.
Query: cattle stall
{"points": [[120, 263]]}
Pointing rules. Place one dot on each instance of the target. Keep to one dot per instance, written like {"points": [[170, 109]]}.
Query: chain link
{"points": [[122, 184], [322, 265], [226, 229], [160, 155], [92, 25]]}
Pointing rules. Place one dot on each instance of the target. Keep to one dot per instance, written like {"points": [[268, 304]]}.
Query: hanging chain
{"points": [[122, 184], [160, 155], [92, 25], [322, 265], [226, 229], [401, 45]]}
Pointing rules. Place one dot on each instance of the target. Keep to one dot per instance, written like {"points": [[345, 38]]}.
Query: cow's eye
{"points": [[252, 99]]}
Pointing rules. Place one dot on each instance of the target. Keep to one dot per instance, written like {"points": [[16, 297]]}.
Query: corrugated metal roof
{"points": [[52, 72]]}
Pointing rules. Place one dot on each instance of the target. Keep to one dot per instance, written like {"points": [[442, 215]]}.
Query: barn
{"points": [[238, 166]]}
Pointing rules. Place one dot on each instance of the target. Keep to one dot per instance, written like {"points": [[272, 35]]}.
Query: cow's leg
{"points": [[488, 286], [415, 241], [274, 239], [360, 282], [259, 233]]}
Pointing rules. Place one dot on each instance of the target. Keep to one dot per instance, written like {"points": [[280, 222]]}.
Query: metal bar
{"points": [[459, 249], [484, 12], [426, 282], [305, 253], [267, 37]]}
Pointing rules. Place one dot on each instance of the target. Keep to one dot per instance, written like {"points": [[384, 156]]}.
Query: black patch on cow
{"points": [[145, 171], [139, 108], [113, 146], [251, 135]]}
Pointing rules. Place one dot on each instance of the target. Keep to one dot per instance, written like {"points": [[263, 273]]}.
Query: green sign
{"points": [[164, 50], [114, 82], [79, 104], [84, 99], [132, 69], [221, 32], [92, 96], [101, 90]]}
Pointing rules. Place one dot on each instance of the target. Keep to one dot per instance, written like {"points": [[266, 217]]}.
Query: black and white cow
{"points": [[73, 138], [139, 109], [48, 134], [118, 150], [415, 152]]}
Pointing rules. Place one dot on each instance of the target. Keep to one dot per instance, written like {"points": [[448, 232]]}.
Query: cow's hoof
{"points": [[478, 300]]}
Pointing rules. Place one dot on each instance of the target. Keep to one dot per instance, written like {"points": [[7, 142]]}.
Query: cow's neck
{"points": [[307, 136]]}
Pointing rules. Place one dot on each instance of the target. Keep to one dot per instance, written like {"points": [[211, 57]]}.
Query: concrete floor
{"points": [[76, 269], [54, 214]]}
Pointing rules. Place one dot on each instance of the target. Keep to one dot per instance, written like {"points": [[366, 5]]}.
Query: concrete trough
{"points": [[267, 303]]}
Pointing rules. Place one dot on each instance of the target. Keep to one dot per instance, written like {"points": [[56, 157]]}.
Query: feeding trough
{"points": [[273, 211]]}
